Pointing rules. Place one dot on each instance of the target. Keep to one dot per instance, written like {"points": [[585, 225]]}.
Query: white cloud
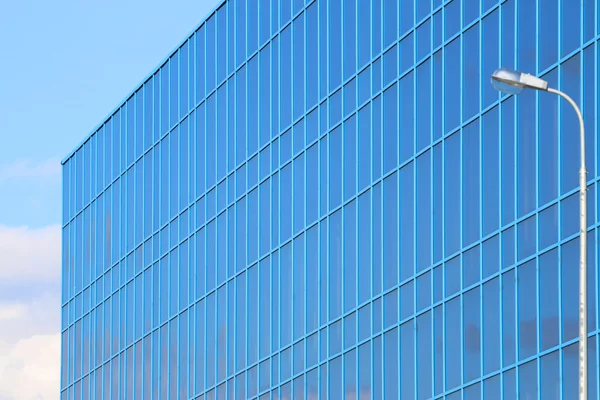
{"points": [[26, 169], [29, 255], [29, 369], [30, 313]]}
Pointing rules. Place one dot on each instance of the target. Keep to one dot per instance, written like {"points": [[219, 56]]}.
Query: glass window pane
{"points": [[391, 372], [472, 332], [453, 344], [452, 194], [452, 89], [491, 326], [391, 229]]}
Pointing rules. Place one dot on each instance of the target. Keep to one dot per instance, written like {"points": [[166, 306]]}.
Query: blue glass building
{"points": [[327, 199]]}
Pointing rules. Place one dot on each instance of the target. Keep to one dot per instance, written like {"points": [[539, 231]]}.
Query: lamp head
{"points": [[513, 82]]}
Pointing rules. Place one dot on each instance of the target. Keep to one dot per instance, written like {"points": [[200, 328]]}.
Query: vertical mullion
{"points": [[560, 203], [415, 207], [537, 197], [481, 205], [177, 211], [371, 204], [461, 195], [500, 106], [515, 196]]}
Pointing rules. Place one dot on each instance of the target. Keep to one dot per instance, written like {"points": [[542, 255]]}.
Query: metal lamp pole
{"points": [[514, 82]]}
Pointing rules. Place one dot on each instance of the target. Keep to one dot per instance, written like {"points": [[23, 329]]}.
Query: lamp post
{"points": [[513, 82]]}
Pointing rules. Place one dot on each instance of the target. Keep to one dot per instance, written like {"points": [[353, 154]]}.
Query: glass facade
{"points": [[327, 199]]}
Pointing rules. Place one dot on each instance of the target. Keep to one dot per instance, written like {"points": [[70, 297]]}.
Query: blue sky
{"points": [[66, 65]]}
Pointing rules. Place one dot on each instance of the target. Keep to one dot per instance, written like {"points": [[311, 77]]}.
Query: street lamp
{"points": [[513, 82]]}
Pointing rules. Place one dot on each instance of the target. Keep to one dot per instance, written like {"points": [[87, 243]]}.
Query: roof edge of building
{"points": [[143, 81]]}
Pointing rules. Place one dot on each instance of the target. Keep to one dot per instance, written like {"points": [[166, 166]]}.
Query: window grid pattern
{"points": [[278, 212]]}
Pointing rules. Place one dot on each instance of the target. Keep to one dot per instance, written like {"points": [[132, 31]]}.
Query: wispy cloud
{"points": [[27, 169], [10, 312]]}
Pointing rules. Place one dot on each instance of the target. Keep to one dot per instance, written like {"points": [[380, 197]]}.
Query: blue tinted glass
{"points": [[569, 28], [285, 82], [490, 171], [252, 29], [407, 359], [364, 147], [390, 231], [491, 325], [335, 168], [335, 108], [528, 380], [407, 295], [312, 184], [507, 187], [407, 221], [424, 39], [286, 11], [391, 368], [470, 183], [453, 344], [452, 18], [437, 128], [508, 318], [323, 49], [299, 64], [364, 32], [407, 11], [471, 68], [526, 179], [335, 44], [252, 141], [508, 34], [548, 227], [377, 138], [407, 53], [312, 56], [349, 157], [364, 85], [390, 128], [240, 23], [376, 9], [452, 194], [350, 97], [569, 293], [211, 58], [377, 76], [298, 193], [335, 264], [298, 132], [452, 83], [286, 194], [472, 329], [423, 105], [490, 55], [390, 309], [548, 50], [349, 35], [407, 124], [390, 65], [424, 356], [390, 22]]}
